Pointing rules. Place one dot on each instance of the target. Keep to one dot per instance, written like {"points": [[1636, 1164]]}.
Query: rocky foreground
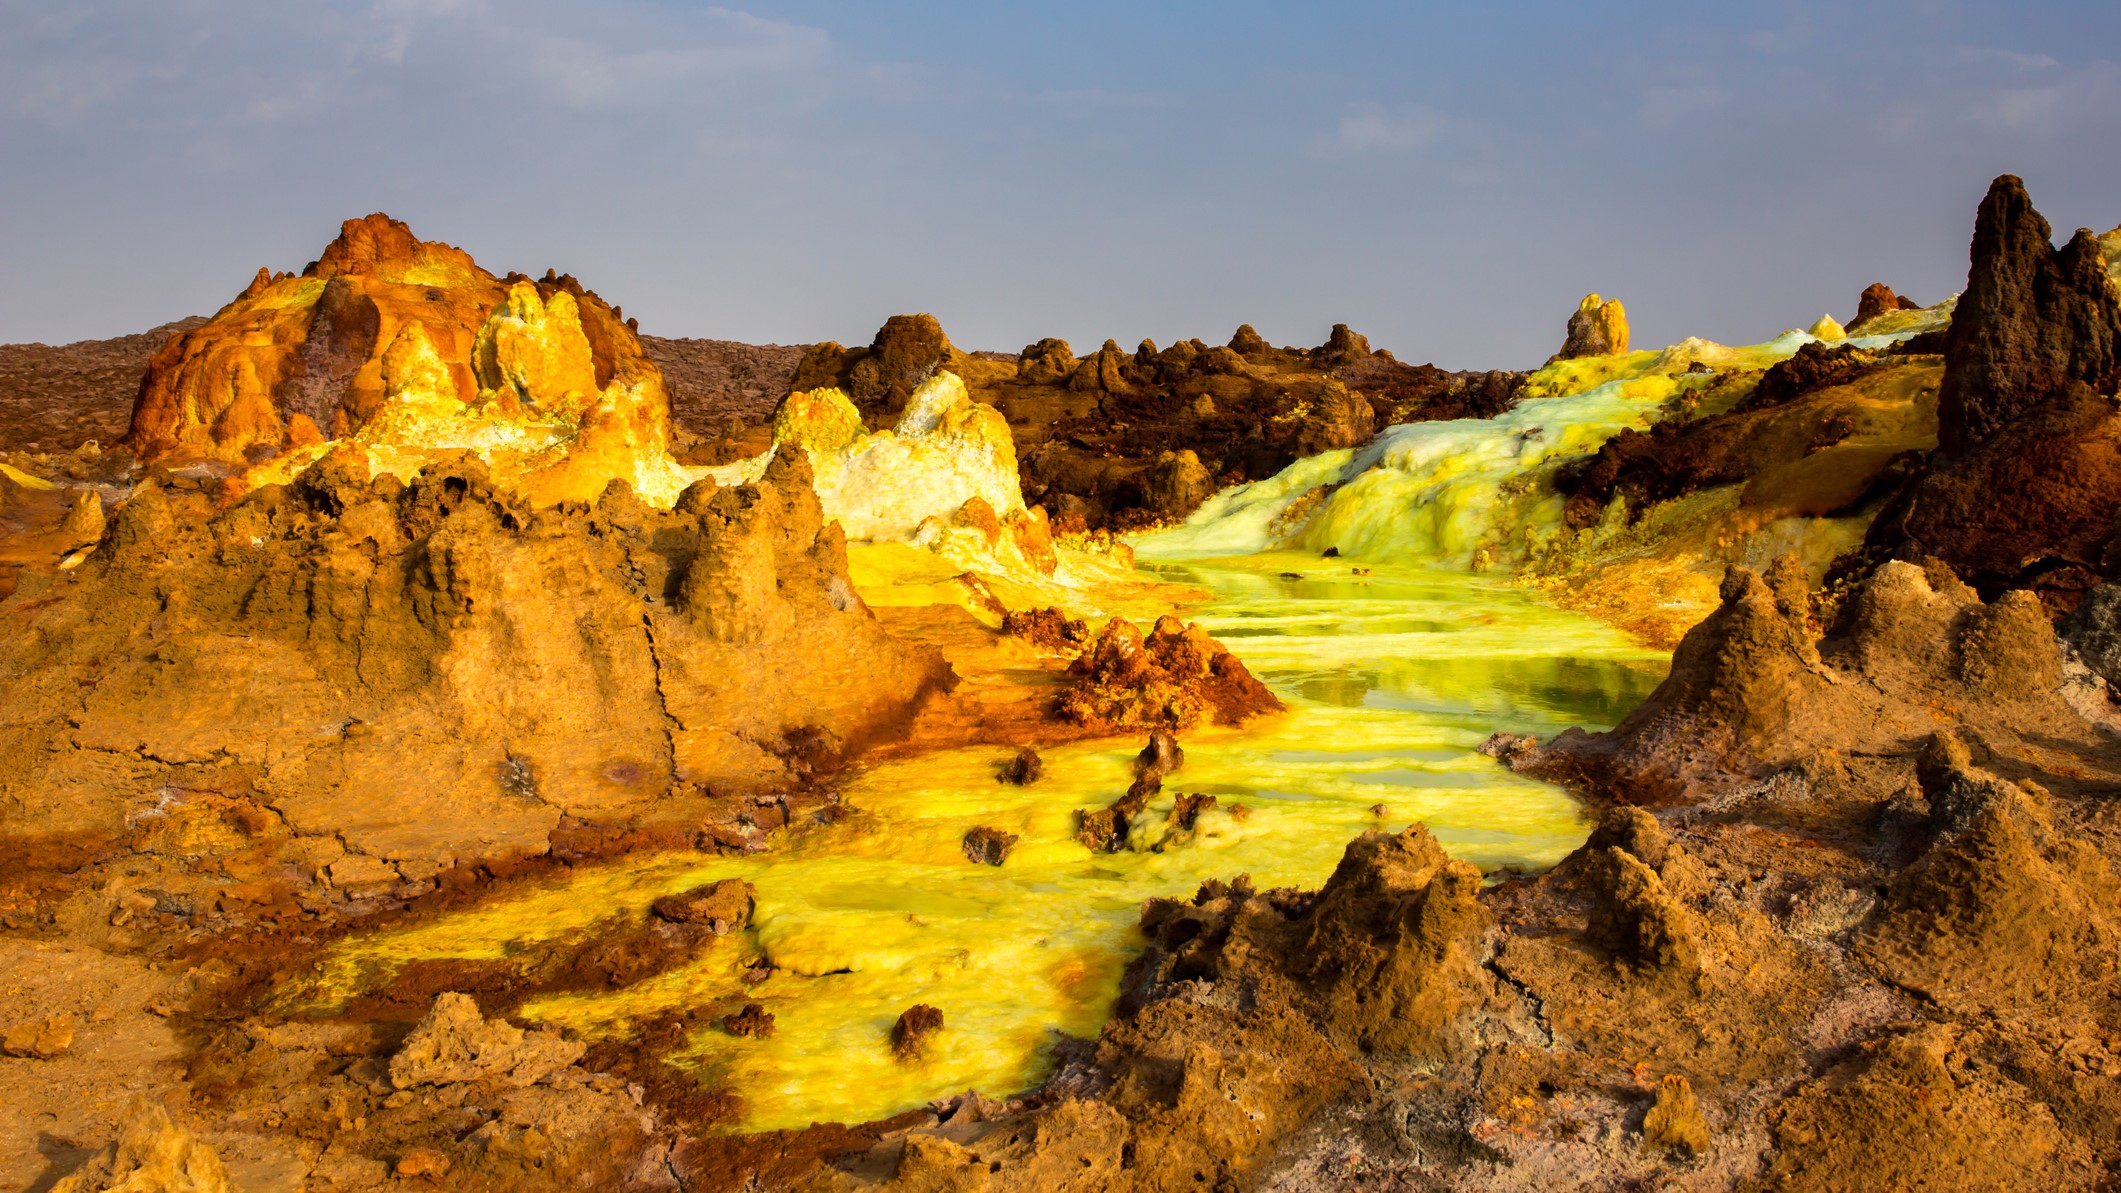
{"points": [[1849, 918]]}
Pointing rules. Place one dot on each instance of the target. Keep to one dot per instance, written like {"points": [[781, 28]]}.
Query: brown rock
{"points": [[1675, 1120], [1248, 343], [1752, 690], [989, 846], [1333, 418], [1176, 485], [2032, 318], [1186, 810], [455, 1044], [305, 357], [753, 1021], [84, 519], [1342, 347], [721, 907], [1999, 904], [647, 661], [41, 1039], [1395, 943], [1048, 362], [1103, 371], [1024, 767], [1161, 756], [907, 350], [1598, 328], [1878, 299], [2029, 506], [1101, 830], [1048, 629], [1176, 678], [1893, 1116], [419, 1162], [153, 1155], [916, 1025], [1636, 919]]}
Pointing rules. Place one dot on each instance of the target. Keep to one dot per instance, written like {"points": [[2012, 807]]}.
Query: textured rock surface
{"points": [[302, 643], [1598, 328], [1752, 688], [1878, 299], [2032, 319], [409, 349], [1176, 678], [2023, 488], [1101, 439], [454, 1044], [54, 398], [154, 1155], [881, 378]]}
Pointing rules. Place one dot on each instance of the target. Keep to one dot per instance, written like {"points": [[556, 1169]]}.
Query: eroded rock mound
{"points": [[454, 1044], [1915, 1110], [295, 648], [1753, 688], [881, 378], [1878, 299], [297, 359], [1999, 904], [154, 1155], [1176, 678], [1598, 328]]}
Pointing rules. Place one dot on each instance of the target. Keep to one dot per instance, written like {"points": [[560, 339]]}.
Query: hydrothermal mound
{"points": [[459, 789]]}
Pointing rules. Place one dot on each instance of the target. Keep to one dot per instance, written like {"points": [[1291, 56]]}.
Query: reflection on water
{"points": [[1391, 679]]}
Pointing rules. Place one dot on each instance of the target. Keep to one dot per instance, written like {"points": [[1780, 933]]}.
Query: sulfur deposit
{"points": [[408, 349]]}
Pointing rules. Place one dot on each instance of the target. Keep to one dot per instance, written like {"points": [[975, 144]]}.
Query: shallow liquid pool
{"points": [[1391, 679]]}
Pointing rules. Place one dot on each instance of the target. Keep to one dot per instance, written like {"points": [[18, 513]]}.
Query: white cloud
{"points": [[1370, 127]]}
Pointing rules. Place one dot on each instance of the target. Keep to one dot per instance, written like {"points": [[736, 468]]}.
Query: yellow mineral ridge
{"points": [[1467, 492]]}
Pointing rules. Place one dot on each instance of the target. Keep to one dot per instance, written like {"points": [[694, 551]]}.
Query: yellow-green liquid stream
{"points": [[1391, 679]]}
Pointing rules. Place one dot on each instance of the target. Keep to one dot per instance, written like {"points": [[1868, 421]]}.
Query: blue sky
{"points": [[1449, 179]]}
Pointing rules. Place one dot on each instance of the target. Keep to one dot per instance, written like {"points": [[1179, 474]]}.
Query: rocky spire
{"points": [[2032, 318]]}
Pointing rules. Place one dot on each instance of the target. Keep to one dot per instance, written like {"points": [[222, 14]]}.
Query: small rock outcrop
{"points": [[1674, 1120], [40, 1039], [989, 846], [1176, 678], [299, 359], [453, 1044], [1753, 688], [753, 1021], [1999, 904], [881, 378], [84, 519], [1878, 299], [1598, 328], [720, 907], [1344, 346], [915, 1028], [1048, 362], [154, 1155], [1103, 371], [1176, 485]]}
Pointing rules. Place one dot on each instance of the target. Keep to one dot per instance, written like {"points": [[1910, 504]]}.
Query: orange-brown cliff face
{"points": [[297, 359]]}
